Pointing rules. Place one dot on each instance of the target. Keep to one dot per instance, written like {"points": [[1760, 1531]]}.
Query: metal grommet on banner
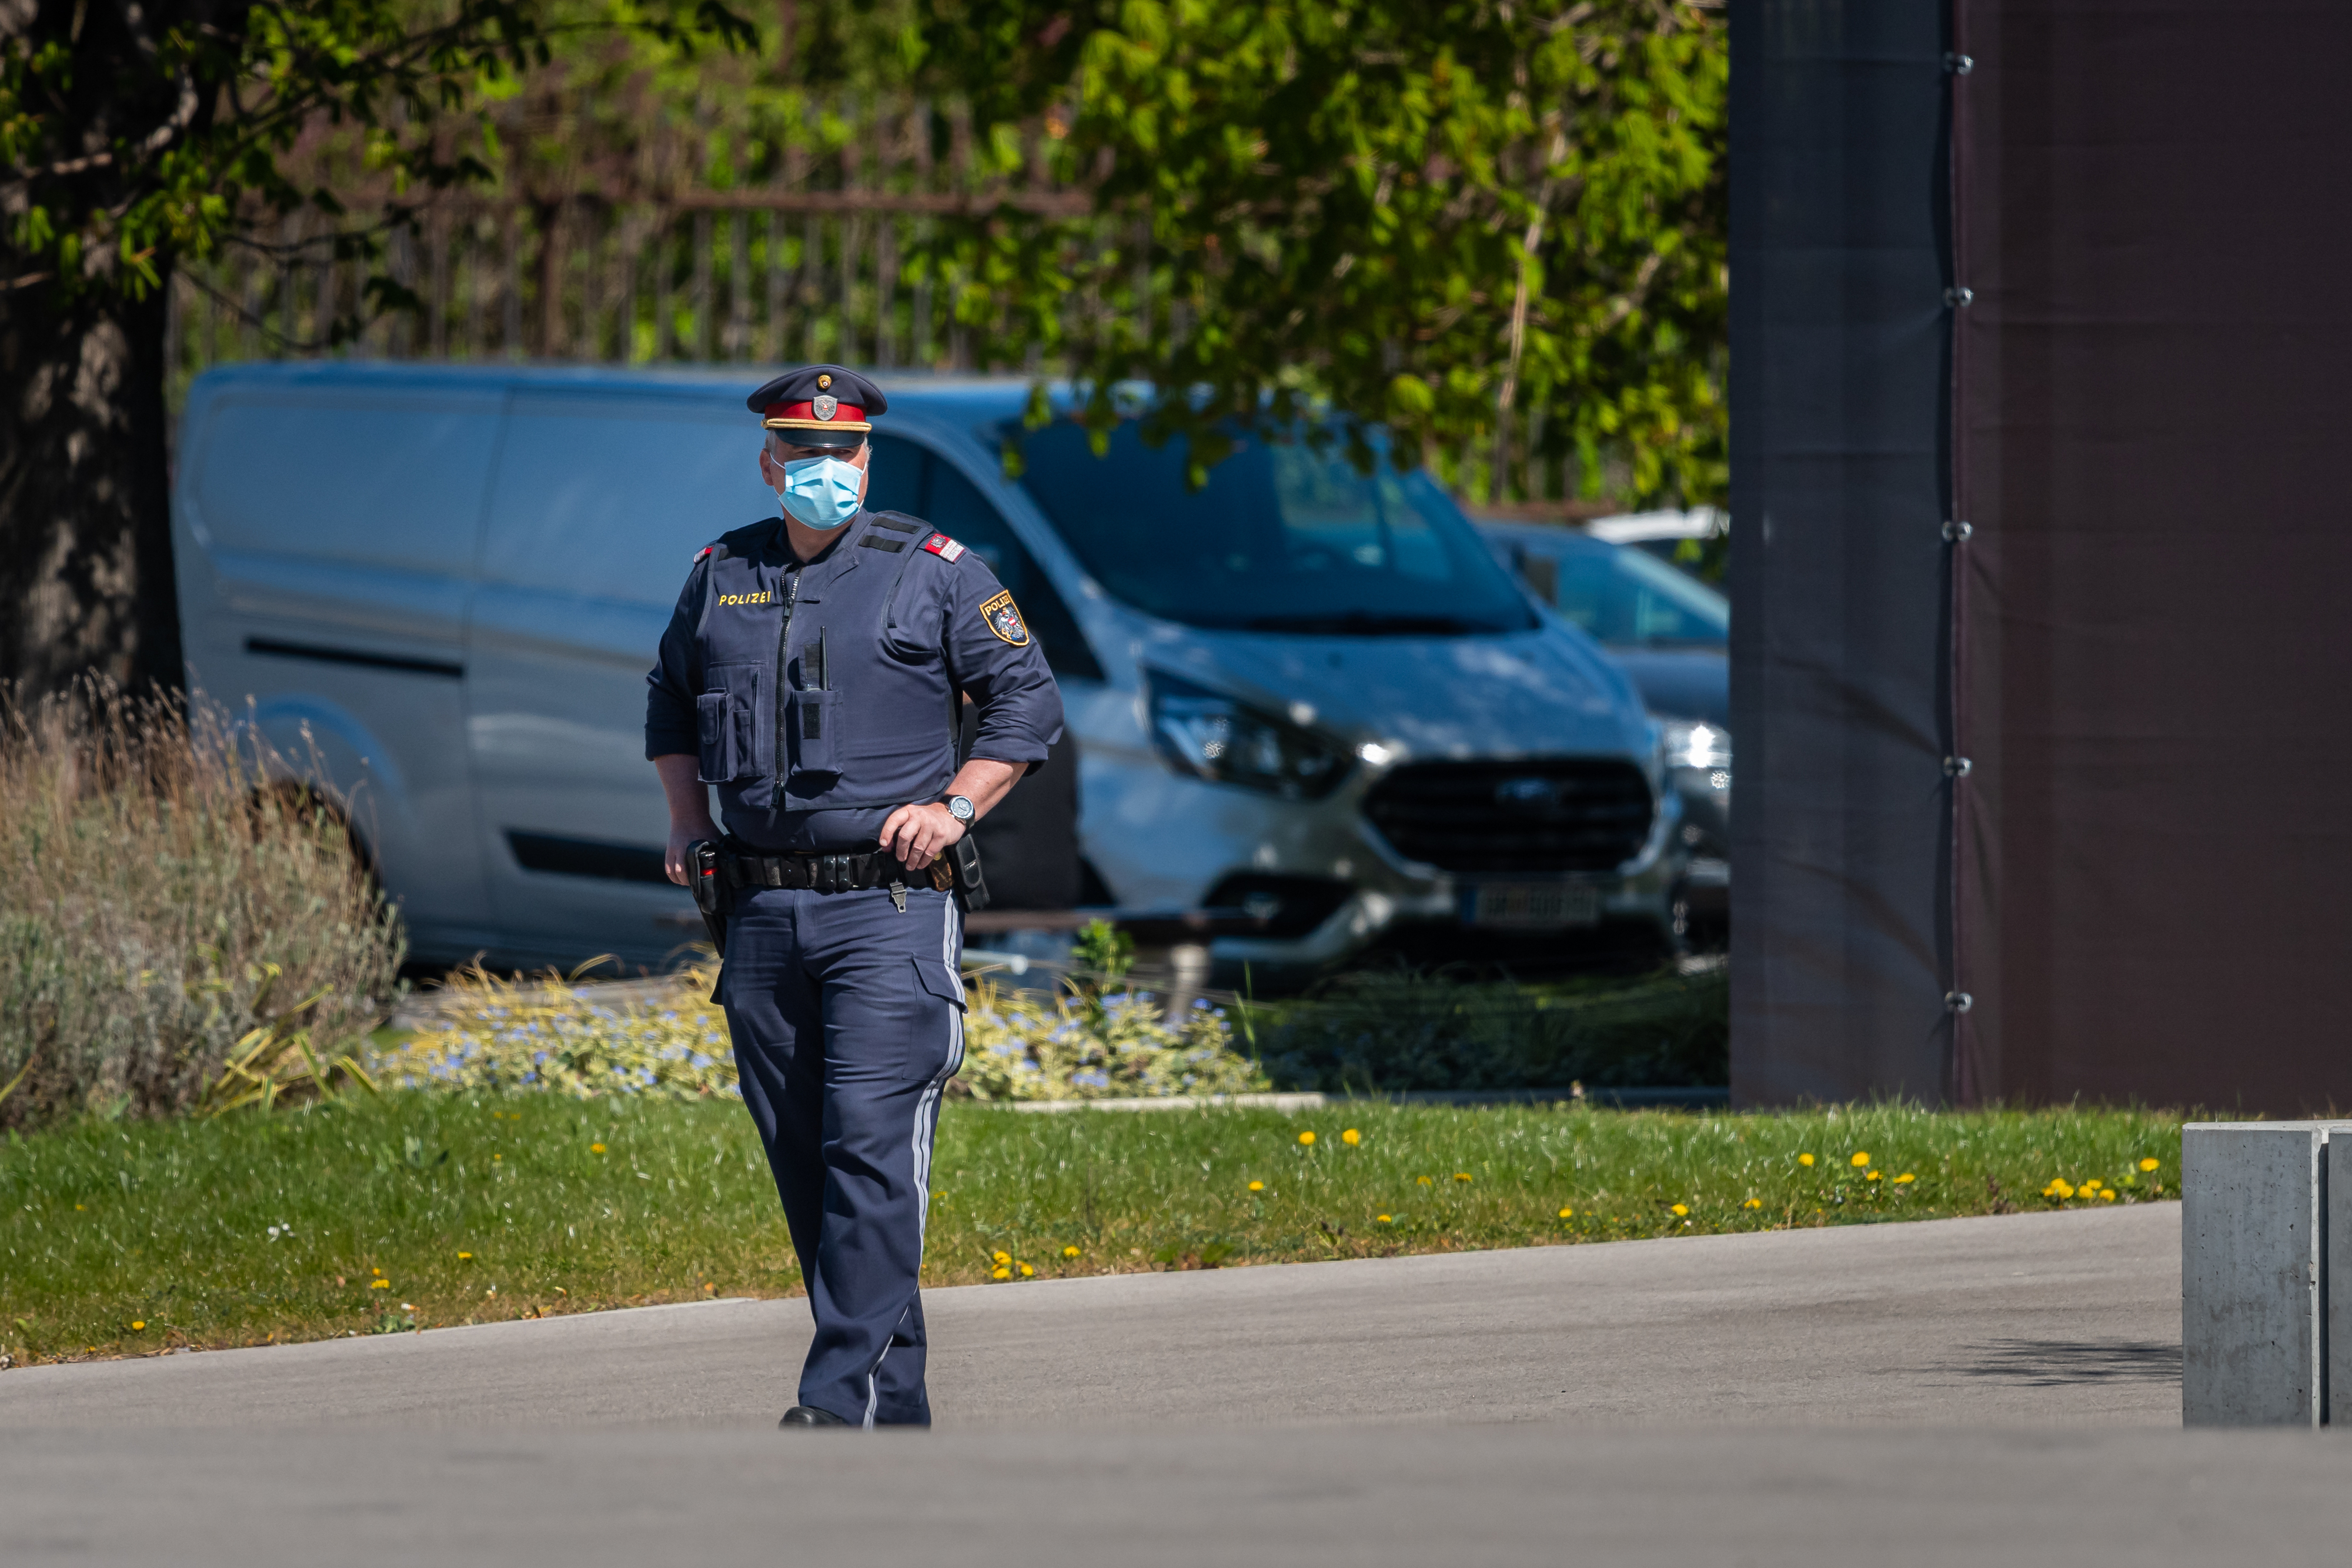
{"points": [[1958, 298], [1955, 531], [1956, 767], [1958, 1002], [1958, 65]]}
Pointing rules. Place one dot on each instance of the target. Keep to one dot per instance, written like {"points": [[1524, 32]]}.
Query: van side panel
{"points": [[598, 507], [326, 538]]}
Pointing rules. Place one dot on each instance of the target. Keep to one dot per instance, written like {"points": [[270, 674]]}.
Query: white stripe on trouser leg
{"points": [[921, 1140]]}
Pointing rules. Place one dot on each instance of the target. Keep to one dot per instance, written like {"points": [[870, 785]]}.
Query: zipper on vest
{"points": [[784, 684]]}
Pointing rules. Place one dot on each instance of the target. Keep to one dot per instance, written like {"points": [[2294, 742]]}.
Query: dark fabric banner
{"points": [[2151, 211], [1840, 377]]}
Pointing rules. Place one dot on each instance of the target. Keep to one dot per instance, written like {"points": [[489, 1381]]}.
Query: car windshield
{"points": [[1622, 594], [1282, 538]]}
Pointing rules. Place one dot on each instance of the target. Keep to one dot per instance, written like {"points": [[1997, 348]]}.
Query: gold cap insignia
{"points": [[823, 381]]}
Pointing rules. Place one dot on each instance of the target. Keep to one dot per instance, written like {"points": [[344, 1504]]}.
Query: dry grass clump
{"points": [[170, 904]]}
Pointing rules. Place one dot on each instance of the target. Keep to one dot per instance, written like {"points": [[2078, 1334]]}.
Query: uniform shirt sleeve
{"points": [[1020, 707], [677, 675]]}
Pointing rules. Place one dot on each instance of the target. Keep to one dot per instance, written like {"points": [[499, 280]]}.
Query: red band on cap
{"points": [[843, 413]]}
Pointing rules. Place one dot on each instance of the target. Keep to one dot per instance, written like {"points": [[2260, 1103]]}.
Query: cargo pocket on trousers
{"points": [[726, 724], [816, 727], [933, 1052]]}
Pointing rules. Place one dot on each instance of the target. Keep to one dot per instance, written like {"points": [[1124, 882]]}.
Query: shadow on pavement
{"points": [[2052, 1362]]}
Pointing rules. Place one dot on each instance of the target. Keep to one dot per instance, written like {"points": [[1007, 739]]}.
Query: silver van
{"points": [[1297, 692]]}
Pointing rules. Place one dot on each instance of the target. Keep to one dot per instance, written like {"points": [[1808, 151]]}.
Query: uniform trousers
{"points": [[847, 1018]]}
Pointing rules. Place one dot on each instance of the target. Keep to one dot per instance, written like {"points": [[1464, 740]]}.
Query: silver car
{"points": [[1300, 693]]}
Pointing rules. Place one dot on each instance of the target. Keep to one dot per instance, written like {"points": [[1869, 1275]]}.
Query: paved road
{"points": [[1928, 1394]]}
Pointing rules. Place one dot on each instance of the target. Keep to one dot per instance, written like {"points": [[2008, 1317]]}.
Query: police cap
{"points": [[819, 397]]}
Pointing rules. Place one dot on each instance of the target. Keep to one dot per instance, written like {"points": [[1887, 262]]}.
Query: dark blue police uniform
{"points": [[819, 698]]}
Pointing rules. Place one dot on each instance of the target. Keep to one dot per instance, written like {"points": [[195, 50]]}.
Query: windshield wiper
{"points": [[1361, 623]]}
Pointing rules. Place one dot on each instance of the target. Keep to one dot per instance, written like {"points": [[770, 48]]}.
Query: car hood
{"points": [[1680, 683], [1543, 691]]}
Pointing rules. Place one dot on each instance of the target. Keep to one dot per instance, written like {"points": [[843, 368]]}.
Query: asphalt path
{"points": [[1926, 1392]]}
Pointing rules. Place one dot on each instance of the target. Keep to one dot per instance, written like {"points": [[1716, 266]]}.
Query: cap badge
{"points": [[824, 405], [822, 382]]}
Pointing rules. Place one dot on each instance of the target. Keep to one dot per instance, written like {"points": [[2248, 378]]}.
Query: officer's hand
{"points": [[916, 834], [673, 856]]}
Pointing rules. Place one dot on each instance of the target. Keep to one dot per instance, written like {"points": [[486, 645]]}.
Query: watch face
{"points": [[959, 809]]}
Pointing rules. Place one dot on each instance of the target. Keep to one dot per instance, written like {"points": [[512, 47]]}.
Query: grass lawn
{"points": [[371, 1216]]}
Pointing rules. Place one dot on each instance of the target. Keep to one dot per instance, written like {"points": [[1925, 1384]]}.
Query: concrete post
{"points": [[2256, 1303], [2335, 1276], [2250, 1333]]}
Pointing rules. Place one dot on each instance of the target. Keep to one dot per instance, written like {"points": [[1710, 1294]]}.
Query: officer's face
{"points": [[774, 452]]}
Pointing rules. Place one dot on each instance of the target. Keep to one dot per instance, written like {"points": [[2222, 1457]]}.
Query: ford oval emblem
{"points": [[1526, 792]]}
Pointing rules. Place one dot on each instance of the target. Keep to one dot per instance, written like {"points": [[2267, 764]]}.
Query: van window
{"points": [[369, 480], [953, 505], [610, 499], [1625, 595], [1282, 538]]}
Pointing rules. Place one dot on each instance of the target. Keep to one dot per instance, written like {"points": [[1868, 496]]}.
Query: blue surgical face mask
{"points": [[820, 492]]}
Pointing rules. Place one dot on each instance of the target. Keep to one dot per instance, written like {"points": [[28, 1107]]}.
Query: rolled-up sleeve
{"points": [[1020, 705], [671, 683]]}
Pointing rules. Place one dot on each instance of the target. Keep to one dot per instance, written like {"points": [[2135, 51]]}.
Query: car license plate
{"points": [[1534, 906]]}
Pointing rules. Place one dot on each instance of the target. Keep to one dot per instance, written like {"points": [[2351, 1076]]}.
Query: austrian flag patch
{"points": [[944, 548]]}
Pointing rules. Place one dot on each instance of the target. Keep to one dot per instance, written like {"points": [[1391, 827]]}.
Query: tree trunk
{"points": [[84, 492]]}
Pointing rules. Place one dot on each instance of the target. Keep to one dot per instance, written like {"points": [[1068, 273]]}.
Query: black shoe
{"points": [[810, 1415]]}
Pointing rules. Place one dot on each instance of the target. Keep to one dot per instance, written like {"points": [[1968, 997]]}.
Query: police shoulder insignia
{"points": [[944, 548], [1003, 618], [704, 553]]}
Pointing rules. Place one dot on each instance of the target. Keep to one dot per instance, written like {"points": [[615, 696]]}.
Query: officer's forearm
{"points": [[984, 782], [690, 798]]}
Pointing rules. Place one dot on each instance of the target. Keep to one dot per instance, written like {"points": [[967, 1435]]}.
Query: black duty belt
{"points": [[845, 873]]}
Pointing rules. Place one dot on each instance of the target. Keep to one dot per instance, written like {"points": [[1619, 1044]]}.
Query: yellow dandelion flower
{"points": [[2108, 1193], [379, 1284], [464, 1256], [1027, 1271], [1874, 1175], [1568, 1214], [2149, 1164], [1804, 1159], [1000, 1259], [596, 1148], [1680, 1209], [138, 1323], [1351, 1137], [497, 1158], [1861, 1158], [1001, 1272], [1753, 1202], [1308, 1139], [78, 1209], [1384, 1219], [376, 1270], [1257, 1187], [2059, 1187], [1423, 1180], [1906, 1176], [709, 1288], [1069, 1251], [1461, 1175]]}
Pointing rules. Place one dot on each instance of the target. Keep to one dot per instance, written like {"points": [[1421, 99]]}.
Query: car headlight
{"points": [[1210, 736], [1692, 743]]}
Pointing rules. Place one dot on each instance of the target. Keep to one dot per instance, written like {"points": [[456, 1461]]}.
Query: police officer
{"points": [[814, 672]]}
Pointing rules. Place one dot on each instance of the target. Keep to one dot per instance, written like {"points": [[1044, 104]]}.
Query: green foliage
{"points": [[1391, 1032], [1092, 1043], [139, 136], [477, 1207], [664, 1038], [1437, 214], [175, 930], [1103, 949]]}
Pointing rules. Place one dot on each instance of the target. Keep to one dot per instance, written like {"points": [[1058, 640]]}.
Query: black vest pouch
{"points": [[817, 732], [727, 723]]}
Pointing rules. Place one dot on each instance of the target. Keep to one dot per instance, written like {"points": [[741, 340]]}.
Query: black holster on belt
{"points": [[709, 891], [970, 886]]}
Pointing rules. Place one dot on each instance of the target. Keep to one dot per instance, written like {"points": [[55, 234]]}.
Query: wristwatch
{"points": [[961, 808]]}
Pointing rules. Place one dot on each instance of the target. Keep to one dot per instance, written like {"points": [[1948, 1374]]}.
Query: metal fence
{"points": [[810, 266]]}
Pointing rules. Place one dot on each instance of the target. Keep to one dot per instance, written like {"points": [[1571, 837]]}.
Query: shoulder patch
{"points": [[704, 553], [1003, 618], [944, 548]]}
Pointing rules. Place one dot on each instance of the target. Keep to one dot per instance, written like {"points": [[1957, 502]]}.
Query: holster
{"points": [[970, 884], [709, 891]]}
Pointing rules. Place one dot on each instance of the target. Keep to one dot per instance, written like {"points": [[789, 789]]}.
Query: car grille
{"points": [[1553, 814]]}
